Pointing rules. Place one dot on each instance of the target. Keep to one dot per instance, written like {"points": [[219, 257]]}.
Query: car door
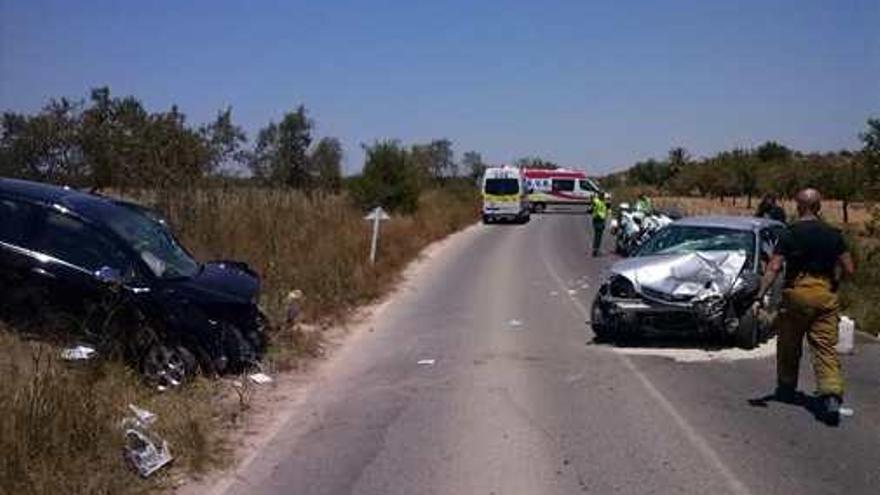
{"points": [[67, 253]]}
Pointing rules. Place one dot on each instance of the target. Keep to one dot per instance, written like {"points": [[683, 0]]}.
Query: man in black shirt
{"points": [[812, 251]]}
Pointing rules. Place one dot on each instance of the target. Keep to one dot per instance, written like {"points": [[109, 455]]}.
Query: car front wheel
{"points": [[748, 330], [168, 366]]}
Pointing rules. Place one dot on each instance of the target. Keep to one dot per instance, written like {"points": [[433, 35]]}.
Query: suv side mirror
{"points": [[109, 276]]}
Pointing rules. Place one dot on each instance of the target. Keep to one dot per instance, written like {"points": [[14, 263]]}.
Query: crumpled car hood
{"points": [[683, 276]]}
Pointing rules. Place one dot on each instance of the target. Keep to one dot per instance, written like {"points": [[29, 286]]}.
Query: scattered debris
{"points": [[554, 293], [293, 310], [515, 323], [572, 292], [78, 353], [145, 417], [426, 362], [846, 411], [585, 286], [846, 335], [260, 378], [145, 451]]}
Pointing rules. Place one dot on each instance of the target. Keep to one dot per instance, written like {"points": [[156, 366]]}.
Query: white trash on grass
{"points": [[260, 378], [144, 450], [78, 353]]}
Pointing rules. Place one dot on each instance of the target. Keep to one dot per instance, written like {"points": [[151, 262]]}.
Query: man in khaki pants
{"points": [[812, 251]]}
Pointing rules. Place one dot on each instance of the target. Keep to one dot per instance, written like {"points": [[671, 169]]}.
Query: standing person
{"points": [[769, 208], [643, 204], [599, 211], [812, 251]]}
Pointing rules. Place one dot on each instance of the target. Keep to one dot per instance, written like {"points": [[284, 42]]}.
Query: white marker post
{"points": [[377, 215]]}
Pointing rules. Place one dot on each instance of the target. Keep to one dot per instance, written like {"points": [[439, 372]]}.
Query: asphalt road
{"points": [[535, 408]]}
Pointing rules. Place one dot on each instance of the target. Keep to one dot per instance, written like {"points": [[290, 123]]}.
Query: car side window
{"points": [[17, 221], [566, 185], [68, 239]]}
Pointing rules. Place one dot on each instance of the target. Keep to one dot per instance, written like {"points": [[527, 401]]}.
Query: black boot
{"points": [[785, 393], [831, 409]]}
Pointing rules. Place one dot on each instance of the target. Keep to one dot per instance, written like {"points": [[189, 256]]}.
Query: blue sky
{"points": [[595, 85]]}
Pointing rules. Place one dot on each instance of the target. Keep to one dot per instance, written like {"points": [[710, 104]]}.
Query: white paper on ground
{"points": [[260, 378], [426, 362]]}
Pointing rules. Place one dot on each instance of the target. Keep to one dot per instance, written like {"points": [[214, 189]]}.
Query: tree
{"points": [[678, 158], [871, 156], [325, 163], [841, 177], [389, 179], [45, 146], [281, 152], [473, 163], [225, 142], [535, 162], [771, 151]]}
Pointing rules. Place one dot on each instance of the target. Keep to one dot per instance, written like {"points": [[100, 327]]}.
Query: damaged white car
{"points": [[696, 276]]}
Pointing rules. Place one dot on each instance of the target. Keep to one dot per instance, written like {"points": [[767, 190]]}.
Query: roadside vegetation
{"points": [[732, 182], [280, 204]]}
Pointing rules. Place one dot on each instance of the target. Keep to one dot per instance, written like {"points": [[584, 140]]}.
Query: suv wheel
{"points": [[168, 366]]}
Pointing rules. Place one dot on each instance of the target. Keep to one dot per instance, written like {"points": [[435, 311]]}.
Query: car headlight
{"points": [[620, 286]]}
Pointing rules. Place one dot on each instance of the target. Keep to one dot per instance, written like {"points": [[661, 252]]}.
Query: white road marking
{"points": [[736, 486]]}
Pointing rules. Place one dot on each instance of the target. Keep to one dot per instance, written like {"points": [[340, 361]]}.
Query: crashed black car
{"points": [[696, 276], [115, 271]]}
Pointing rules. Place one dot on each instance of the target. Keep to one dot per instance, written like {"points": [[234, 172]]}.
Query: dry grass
{"points": [[60, 431], [832, 210]]}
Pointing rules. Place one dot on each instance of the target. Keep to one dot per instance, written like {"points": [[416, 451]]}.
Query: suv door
{"points": [[63, 253]]}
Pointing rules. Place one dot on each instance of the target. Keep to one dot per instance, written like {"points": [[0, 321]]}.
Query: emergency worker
{"points": [[643, 204], [813, 252], [769, 208], [599, 209]]}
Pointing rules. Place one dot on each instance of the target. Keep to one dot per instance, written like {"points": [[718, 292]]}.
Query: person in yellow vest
{"points": [[643, 204], [599, 209], [814, 255]]}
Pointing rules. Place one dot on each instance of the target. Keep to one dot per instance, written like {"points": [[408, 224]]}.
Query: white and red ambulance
{"points": [[559, 186]]}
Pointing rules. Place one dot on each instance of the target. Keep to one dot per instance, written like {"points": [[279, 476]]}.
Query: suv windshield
{"points": [[151, 240], [502, 186], [680, 239]]}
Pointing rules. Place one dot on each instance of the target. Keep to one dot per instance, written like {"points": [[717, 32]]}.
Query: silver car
{"points": [[696, 276]]}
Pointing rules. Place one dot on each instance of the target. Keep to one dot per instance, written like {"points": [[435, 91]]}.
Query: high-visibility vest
{"points": [[600, 209]]}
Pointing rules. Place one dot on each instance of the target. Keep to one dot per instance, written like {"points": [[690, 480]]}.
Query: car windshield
{"points": [[502, 186], [151, 240], [680, 239]]}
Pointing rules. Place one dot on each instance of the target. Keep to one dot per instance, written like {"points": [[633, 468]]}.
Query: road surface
{"points": [[518, 401]]}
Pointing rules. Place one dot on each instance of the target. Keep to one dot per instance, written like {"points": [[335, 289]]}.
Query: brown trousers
{"points": [[809, 308]]}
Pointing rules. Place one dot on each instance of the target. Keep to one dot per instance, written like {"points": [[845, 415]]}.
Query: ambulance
{"points": [[558, 187], [504, 195]]}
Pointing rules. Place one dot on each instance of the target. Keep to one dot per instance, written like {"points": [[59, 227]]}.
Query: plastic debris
{"points": [[260, 378], [515, 323], [426, 362], [78, 353], [846, 335], [143, 416], [846, 411], [554, 293], [572, 292], [145, 451]]}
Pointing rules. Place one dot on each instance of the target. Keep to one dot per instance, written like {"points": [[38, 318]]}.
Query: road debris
{"points": [[260, 378], [846, 411], [426, 362], [572, 292], [144, 450], [78, 353], [554, 292], [515, 323]]}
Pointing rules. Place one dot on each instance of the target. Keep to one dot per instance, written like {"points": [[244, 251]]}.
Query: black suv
{"points": [[116, 274]]}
